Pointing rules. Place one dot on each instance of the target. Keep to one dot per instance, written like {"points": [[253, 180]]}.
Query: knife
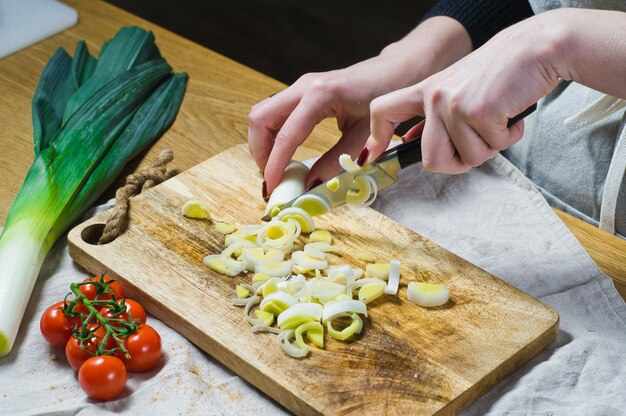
{"points": [[383, 170]]}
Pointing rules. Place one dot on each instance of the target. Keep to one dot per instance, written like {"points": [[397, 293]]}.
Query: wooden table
{"points": [[213, 116]]}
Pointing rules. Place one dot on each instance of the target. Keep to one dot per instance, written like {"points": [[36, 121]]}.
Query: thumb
{"points": [[386, 112]]}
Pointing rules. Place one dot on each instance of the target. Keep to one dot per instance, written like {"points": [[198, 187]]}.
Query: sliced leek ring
{"points": [[252, 301], [277, 302], [194, 208], [321, 236], [361, 192], [366, 257], [336, 308], [278, 269], [268, 287], [301, 270], [297, 228], [313, 204], [349, 165], [306, 221], [299, 313], [362, 282], [314, 253], [296, 284], [354, 328], [241, 292], [225, 228], [427, 294], [252, 257], [373, 192], [244, 242], [358, 273], [284, 339], [314, 249], [215, 263], [260, 277], [267, 317], [371, 291], [314, 332], [232, 264], [394, 278], [377, 270], [276, 234], [265, 328], [303, 260], [325, 290], [341, 274]]}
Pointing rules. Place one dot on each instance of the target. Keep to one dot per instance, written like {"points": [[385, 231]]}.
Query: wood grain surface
{"points": [[409, 360], [212, 118]]}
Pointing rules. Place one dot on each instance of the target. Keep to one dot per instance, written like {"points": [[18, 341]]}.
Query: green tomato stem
{"points": [[104, 322]]}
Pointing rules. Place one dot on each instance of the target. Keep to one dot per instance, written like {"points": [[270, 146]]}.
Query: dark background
{"points": [[286, 38]]}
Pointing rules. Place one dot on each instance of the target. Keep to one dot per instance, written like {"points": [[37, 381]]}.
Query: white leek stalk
{"points": [[290, 187], [89, 120], [21, 257]]}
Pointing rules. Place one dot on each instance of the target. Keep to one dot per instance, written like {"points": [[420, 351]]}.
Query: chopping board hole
{"points": [[92, 233]]}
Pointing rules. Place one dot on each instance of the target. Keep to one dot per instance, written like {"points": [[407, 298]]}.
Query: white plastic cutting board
{"points": [[24, 22]]}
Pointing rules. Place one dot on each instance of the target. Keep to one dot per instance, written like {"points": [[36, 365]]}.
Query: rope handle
{"points": [[135, 183]]}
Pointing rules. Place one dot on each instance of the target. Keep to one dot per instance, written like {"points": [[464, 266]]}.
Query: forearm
{"points": [[592, 51], [432, 46], [482, 19], [448, 32]]}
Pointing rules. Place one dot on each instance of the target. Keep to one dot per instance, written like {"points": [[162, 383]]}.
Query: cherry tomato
{"points": [[90, 290], [132, 307], [81, 308], [76, 356], [55, 327], [144, 347], [102, 378]]}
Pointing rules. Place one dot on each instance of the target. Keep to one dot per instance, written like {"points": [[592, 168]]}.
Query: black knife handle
{"points": [[521, 115], [410, 152]]}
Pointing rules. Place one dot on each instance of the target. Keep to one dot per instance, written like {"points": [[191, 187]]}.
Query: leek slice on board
{"points": [[427, 294], [89, 119]]}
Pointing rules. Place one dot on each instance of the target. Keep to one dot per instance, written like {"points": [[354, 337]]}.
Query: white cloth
{"points": [[492, 216], [496, 219]]}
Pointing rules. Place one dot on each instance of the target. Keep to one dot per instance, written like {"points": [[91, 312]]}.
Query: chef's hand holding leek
{"points": [[279, 124], [90, 117]]}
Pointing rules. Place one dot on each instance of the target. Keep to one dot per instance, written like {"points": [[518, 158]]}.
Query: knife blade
{"points": [[383, 170]]}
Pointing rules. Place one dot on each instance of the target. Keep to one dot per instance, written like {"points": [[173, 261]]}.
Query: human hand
{"points": [[467, 106], [279, 124]]}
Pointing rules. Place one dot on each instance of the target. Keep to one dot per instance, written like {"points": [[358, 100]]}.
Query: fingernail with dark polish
{"points": [[264, 191], [363, 156], [313, 184]]}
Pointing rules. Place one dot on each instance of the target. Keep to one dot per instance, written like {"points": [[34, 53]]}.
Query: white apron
{"points": [[574, 148]]}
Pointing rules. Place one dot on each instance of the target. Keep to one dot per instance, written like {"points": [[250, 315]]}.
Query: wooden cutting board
{"points": [[409, 359]]}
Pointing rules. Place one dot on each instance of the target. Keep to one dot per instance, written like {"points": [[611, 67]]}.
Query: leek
{"points": [[90, 117], [427, 294]]}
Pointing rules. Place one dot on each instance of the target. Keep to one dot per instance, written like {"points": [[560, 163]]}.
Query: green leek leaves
{"points": [[90, 118]]}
